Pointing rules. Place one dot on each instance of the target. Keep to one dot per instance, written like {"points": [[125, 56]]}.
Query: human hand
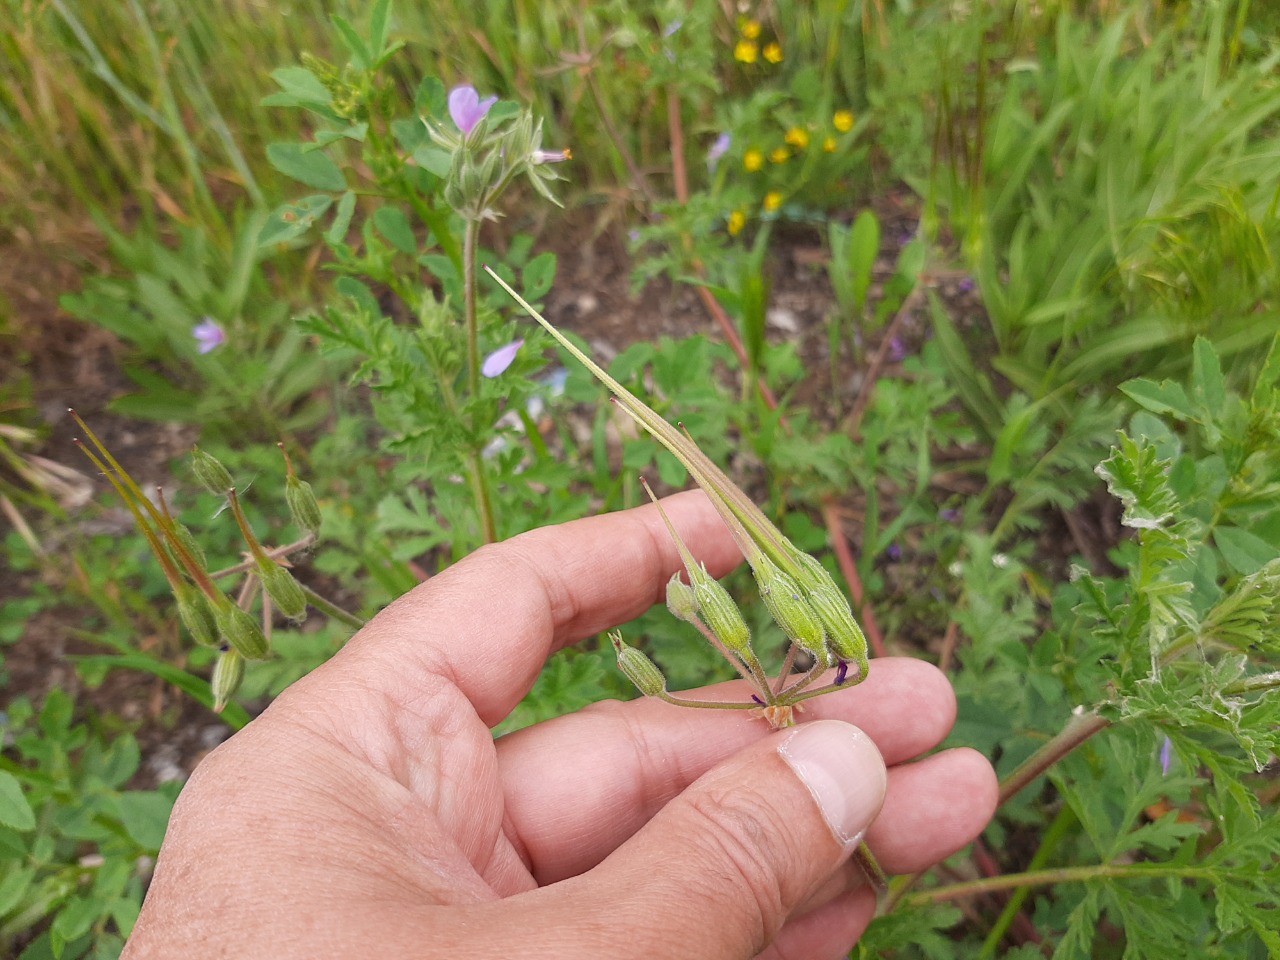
{"points": [[369, 811]]}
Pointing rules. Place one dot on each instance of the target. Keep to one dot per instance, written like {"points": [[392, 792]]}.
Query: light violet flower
{"points": [[718, 150], [209, 336], [550, 156], [1166, 756], [467, 109], [498, 361]]}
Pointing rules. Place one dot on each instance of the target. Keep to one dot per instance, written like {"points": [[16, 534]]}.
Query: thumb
{"points": [[718, 871]]}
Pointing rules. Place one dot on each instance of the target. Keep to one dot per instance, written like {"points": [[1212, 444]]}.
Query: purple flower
{"points": [[893, 552], [718, 150], [1166, 756], [897, 350], [498, 361], [209, 336], [467, 109], [842, 671], [949, 515]]}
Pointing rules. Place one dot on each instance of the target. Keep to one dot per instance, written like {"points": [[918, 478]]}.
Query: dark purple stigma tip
{"points": [[842, 672], [757, 700]]}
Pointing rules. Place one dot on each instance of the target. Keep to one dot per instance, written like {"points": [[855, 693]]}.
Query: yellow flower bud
{"points": [[843, 120], [780, 155], [773, 52], [772, 200], [746, 51], [753, 160], [829, 144], [798, 137], [750, 29], [737, 220], [638, 668]]}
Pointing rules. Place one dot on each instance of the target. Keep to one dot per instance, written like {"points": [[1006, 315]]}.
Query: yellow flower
{"points": [[737, 220], [773, 52], [750, 29], [780, 155], [753, 160], [772, 200], [798, 137], [829, 145], [843, 120], [746, 51]]}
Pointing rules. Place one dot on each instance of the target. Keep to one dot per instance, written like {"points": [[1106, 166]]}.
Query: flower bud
{"points": [[210, 472], [228, 673], [284, 591], [197, 616], [242, 631], [721, 613], [681, 600], [638, 668], [302, 504], [844, 636], [782, 595]]}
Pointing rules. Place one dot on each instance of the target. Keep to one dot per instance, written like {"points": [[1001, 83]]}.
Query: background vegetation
{"points": [[1028, 404]]}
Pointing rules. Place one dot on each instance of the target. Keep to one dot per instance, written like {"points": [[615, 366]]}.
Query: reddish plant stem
{"points": [[948, 646]]}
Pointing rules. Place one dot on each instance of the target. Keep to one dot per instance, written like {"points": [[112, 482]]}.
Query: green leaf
{"points": [[299, 88], [1245, 551], [73, 921], [15, 811], [378, 28], [864, 246], [14, 883], [292, 220], [309, 166], [1207, 385], [144, 814], [1136, 476], [434, 160], [394, 225], [351, 40], [337, 232], [1166, 397], [538, 275]]}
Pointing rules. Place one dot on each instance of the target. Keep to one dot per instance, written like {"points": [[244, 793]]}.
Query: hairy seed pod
{"points": [[284, 591], [228, 673], [197, 616], [302, 504], [192, 547], [844, 636], [681, 600], [785, 600], [210, 472], [721, 613], [244, 633], [638, 668]]}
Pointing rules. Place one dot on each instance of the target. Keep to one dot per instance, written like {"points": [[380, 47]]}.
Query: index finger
{"points": [[489, 622]]}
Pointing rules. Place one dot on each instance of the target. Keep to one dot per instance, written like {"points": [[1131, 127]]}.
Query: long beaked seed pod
{"points": [[210, 472], [721, 613], [681, 600], [638, 668], [302, 504], [844, 636], [244, 633], [197, 616], [786, 602], [228, 674], [284, 591]]}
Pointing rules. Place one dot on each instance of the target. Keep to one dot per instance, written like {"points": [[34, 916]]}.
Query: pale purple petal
{"points": [[467, 109], [718, 150], [1166, 756], [498, 361], [209, 336]]}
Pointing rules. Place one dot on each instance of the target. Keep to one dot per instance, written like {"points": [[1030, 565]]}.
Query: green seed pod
{"points": [[242, 631], [210, 472], [721, 613], [638, 668], [197, 616], [302, 504], [283, 590], [844, 636], [681, 600], [189, 542], [783, 597], [228, 673]]}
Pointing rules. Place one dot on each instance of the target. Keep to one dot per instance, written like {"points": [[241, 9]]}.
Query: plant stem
{"points": [[707, 704], [331, 609], [475, 465], [1079, 728], [1043, 878]]}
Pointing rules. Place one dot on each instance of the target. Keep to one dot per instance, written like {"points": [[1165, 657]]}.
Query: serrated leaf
{"points": [[15, 811], [308, 166], [1166, 397], [1139, 479]]}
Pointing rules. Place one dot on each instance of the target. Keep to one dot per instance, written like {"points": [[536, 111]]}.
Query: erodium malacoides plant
{"points": [[802, 597]]}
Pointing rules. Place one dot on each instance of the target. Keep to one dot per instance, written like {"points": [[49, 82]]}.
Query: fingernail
{"points": [[843, 770]]}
